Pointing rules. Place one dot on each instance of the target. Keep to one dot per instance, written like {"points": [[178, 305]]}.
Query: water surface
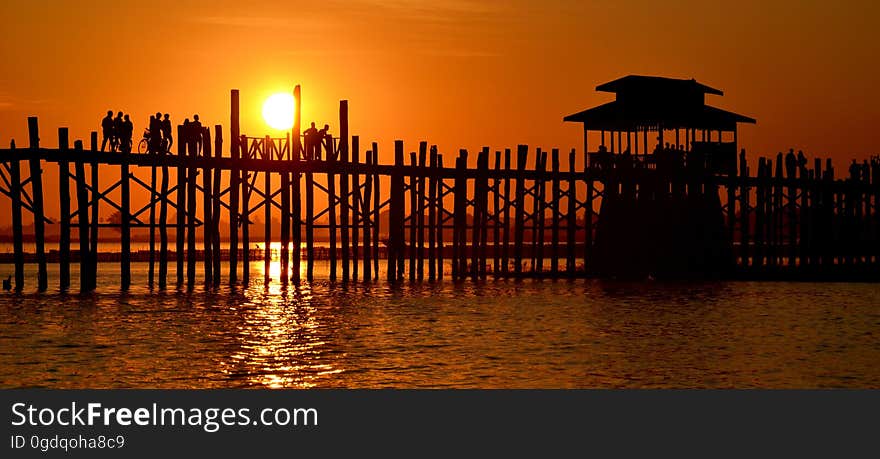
{"points": [[511, 334]]}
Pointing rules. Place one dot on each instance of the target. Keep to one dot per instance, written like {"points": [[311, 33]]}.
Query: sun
{"points": [[278, 111]]}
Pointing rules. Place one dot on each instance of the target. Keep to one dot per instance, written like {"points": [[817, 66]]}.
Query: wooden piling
{"points": [[396, 218], [267, 213], [571, 216], [191, 207], [36, 180], [93, 224], [82, 212], [285, 226], [215, 203], [420, 212], [343, 190], [555, 200], [522, 152], [207, 210], [310, 222], [163, 226], [245, 215], [367, 217], [441, 219], [151, 270], [505, 257], [125, 223], [376, 213], [356, 205], [332, 199], [180, 227], [432, 215], [234, 178], [413, 226], [64, 217]]}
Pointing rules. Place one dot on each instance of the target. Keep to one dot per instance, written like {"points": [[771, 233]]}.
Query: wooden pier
{"points": [[507, 213]]}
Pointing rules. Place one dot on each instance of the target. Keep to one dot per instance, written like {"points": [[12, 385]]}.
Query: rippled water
{"points": [[549, 334]]}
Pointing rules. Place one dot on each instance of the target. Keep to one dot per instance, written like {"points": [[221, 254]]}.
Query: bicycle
{"points": [[144, 144]]}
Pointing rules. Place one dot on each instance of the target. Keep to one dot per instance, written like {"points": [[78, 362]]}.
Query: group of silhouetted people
{"points": [[313, 139], [158, 134], [117, 132]]}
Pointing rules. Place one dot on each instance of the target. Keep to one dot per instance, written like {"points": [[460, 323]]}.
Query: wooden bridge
{"points": [[517, 213]]}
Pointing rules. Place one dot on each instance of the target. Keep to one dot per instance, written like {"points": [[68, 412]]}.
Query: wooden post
{"points": [[17, 237], [207, 210], [376, 213], [432, 214], [234, 178], [396, 216], [163, 226], [571, 215], [367, 216], [760, 207], [267, 212], [82, 212], [477, 227], [744, 213], [554, 205], [215, 202], [151, 275], [37, 190], [297, 217], [64, 195], [245, 215], [125, 226], [193, 144], [420, 212], [180, 227], [285, 225], [93, 224], [505, 254], [413, 226], [459, 221], [343, 188], [588, 225], [331, 206], [538, 213], [441, 217], [355, 208], [483, 200], [310, 222], [496, 213], [522, 153]]}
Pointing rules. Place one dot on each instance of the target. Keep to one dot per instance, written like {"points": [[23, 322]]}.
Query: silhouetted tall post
{"points": [[505, 254], [432, 215], [234, 178], [93, 225], [285, 224], [343, 188], [207, 209], [215, 202], [64, 195], [555, 200], [180, 227], [125, 223], [413, 226], [482, 200], [376, 213], [396, 217], [496, 217], [522, 152], [245, 215], [368, 217], [355, 208], [82, 212], [420, 212], [331, 206], [36, 180], [163, 225], [297, 214], [191, 206], [152, 222], [441, 218], [571, 215], [267, 211], [310, 220]]}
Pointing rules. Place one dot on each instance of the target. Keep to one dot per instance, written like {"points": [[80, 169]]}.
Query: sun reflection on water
{"points": [[283, 340]]}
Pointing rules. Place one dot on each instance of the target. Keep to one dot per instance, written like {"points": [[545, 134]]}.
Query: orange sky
{"points": [[458, 73]]}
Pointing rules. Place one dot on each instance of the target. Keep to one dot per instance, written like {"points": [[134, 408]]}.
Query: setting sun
{"points": [[278, 111]]}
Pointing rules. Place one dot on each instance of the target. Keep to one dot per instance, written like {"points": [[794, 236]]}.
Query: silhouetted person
{"points": [[166, 132], [854, 170], [125, 134], [155, 139], [321, 138], [310, 139], [117, 129], [195, 134], [107, 130], [790, 164]]}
